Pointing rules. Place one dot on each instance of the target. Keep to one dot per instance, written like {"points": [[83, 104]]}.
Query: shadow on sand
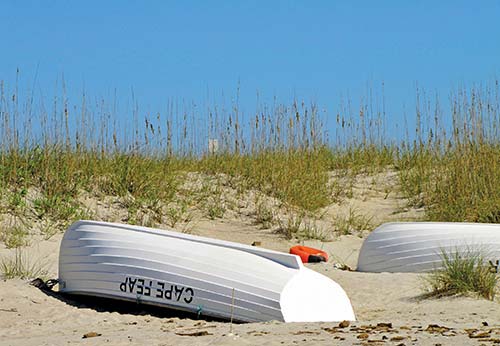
{"points": [[101, 304]]}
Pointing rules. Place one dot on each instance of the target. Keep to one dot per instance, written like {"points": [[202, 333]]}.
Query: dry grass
{"points": [[22, 266], [457, 177], [451, 167]]}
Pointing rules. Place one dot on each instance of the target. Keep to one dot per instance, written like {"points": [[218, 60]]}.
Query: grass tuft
{"points": [[354, 221], [463, 272], [21, 266]]}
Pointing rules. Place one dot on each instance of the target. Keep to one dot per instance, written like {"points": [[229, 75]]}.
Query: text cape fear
{"points": [[157, 289]]}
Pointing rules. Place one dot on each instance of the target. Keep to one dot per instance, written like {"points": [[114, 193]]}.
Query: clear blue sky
{"points": [[315, 50]]}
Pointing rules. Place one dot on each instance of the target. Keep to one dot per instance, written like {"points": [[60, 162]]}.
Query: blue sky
{"points": [[312, 50]]}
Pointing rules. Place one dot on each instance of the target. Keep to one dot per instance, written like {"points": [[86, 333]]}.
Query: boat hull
{"points": [[418, 246], [196, 274]]}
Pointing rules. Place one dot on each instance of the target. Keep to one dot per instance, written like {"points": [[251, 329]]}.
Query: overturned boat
{"points": [[204, 276], [418, 246]]}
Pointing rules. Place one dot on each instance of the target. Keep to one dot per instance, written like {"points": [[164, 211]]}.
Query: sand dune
{"points": [[387, 306]]}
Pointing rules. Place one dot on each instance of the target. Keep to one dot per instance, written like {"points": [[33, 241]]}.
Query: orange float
{"points": [[309, 254]]}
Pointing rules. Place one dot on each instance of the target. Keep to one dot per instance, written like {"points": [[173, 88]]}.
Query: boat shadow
{"points": [[102, 304]]}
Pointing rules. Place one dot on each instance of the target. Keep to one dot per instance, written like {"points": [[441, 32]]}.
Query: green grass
{"points": [[301, 225], [463, 272], [14, 232], [295, 176], [461, 184], [14, 236], [263, 214], [449, 164], [178, 212], [21, 266], [455, 175], [354, 221]]}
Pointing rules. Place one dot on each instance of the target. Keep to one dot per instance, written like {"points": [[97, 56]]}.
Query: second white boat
{"points": [[418, 246]]}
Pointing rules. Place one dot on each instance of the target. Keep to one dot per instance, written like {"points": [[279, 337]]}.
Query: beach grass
{"points": [[448, 164], [463, 272], [22, 266]]}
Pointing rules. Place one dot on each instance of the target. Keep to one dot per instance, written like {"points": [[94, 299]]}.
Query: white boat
{"points": [[418, 246], [201, 275]]}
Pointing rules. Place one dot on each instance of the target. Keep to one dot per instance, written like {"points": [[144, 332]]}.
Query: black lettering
{"points": [[123, 285], [168, 293], [159, 291], [140, 287], [131, 284], [191, 292], [163, 290], [178, 292]]}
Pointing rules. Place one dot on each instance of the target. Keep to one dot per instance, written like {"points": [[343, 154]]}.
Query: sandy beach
{"points": [[277, 125], [388, 306]]}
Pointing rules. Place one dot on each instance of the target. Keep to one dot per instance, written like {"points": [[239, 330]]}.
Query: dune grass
{"points": [[14, 236], [456, 177], [463, 272], [22, 266], [295, 176], [48, 157]]}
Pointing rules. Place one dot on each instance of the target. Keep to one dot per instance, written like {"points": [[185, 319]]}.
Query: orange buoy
{"points": [[309, 254]]}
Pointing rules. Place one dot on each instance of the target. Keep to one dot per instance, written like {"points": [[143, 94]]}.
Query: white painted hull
{"points": [[417, 246], [201, 275]]}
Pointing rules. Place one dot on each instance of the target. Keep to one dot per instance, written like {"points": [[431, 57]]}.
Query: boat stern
{"points": [[312, 297]]}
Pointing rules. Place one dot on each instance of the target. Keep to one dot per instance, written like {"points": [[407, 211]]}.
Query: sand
{"points": [[388, 307]]}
